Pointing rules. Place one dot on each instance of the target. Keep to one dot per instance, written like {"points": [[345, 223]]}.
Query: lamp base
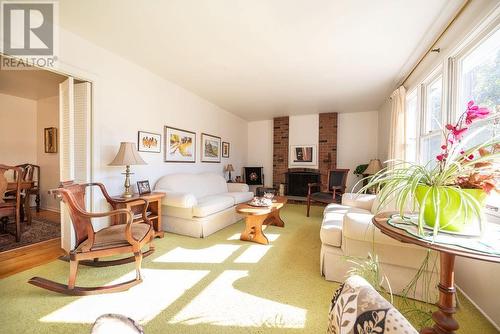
{"points": [[128, 193]]}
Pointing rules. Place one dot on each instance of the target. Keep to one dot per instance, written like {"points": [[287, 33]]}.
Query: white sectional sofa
{"points": [[347, 231], [198, 205]]}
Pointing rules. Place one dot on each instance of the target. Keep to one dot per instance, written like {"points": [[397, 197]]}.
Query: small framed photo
{"points": [[50, 140], [148, 142], [225, 149], [143, 187]]}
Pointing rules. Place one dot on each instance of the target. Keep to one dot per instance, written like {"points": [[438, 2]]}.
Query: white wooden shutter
{"points": [[66, 130], [81, 121], [66, 155]]}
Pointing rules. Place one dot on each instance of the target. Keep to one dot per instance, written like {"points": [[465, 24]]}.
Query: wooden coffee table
{"points": [[256, 217]]}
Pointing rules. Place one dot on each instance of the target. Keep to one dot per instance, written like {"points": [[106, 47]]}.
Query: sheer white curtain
{"points": [[397, 132]]}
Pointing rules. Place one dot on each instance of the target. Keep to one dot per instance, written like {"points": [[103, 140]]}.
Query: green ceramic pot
{"points": [[452, 217]]}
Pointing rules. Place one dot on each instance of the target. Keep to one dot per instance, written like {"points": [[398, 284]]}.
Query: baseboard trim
{"points": [[479, 308]]}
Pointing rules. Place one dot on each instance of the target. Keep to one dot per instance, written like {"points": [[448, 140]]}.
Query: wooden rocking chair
{"points": [[90, 246]]}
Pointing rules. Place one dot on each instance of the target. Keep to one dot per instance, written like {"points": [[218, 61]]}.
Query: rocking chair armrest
{"points": [[130, 221], [90, 228]]}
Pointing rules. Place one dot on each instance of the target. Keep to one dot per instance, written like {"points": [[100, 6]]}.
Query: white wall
{"points": [[260, 148], [357, 141], [129, 98], [17, 130], [304, 130], [47, 116]]}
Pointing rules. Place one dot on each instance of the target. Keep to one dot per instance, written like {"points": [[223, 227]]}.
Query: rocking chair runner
{"points": [[337, 179], [119, 238]]}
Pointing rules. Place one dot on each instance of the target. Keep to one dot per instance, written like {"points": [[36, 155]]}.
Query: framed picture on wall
{"points": [[148, 142], [50, 140], [180, 145], [303, 155], [210, 148], [225, 149]]}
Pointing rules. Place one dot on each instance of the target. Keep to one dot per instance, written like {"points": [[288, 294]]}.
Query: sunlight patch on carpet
{"points": [[213, 254], [253, 254], [270, 236], [142, 302], [221, 304]]}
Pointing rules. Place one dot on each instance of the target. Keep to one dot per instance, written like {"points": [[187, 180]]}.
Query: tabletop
{"points": [[381, 221], [246, 209]]}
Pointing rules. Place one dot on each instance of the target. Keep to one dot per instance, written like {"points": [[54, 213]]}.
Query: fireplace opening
{"points": [[297, 180]]}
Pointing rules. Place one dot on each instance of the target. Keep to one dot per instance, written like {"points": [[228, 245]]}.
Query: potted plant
{"points": [[451, 191]]}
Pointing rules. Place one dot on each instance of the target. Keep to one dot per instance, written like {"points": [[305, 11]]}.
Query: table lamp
{"points": [[374, 166], [127, 155], [229, 168]]}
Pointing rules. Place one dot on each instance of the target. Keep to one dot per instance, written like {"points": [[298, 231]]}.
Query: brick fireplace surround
{"points": [[327, 147]]}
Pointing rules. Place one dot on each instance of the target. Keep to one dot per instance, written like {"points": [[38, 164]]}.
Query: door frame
{"points": [[63, 68]]}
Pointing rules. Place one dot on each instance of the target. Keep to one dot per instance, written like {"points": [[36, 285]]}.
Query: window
{"points": [[472, 73], [433, 116], [479, 80], [411, 126], [479, 75]]}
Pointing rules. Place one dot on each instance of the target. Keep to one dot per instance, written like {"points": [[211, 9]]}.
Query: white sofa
{"points": [[198, 205], [347, 231]]}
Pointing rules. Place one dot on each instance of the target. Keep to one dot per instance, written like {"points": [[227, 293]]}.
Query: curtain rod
{"points": [[436, 40]]}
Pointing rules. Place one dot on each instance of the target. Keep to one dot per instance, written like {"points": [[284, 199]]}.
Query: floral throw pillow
{"points": [[357, 308]]}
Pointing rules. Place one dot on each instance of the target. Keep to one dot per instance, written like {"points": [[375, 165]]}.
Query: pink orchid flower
{"points": [[475, 112], [458, 133]]}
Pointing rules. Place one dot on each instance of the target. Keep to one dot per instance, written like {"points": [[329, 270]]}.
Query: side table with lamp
{"points": [[127, 155]]}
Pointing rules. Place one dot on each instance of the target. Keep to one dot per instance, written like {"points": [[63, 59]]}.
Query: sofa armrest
{"points": [[237, 187], [178, 199], [348, 303], [361, 201]]}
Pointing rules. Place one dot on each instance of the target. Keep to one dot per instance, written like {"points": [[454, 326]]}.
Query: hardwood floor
{"points": [[26, 257]]}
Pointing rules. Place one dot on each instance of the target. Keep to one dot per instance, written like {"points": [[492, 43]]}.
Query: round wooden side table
{"points": [[444, 322]]}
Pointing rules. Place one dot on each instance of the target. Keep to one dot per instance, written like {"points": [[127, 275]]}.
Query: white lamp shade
{"points": [[127, 155], [374, 166]]}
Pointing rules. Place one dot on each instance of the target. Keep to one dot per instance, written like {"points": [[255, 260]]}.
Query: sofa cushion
{"points": [[362, 201], [359, 226], [212, 204], [240, 197], [331, 227], [199, 185], [358, 308]]}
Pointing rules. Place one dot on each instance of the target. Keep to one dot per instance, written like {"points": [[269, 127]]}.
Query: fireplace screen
{"points": [[254, 176]]}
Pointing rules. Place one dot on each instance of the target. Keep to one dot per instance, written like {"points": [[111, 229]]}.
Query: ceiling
{"points": [[264, 58], [30, 84]]}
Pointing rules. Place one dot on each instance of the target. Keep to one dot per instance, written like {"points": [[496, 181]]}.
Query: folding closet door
{"points": [[75, 148]]}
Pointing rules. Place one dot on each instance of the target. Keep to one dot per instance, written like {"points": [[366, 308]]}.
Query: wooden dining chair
{"points": [[126, 235], [32, 174], [337, 179], [11, 207]]}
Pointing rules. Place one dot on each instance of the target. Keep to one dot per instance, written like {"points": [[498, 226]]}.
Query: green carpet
{"points": [[214, 285]]}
